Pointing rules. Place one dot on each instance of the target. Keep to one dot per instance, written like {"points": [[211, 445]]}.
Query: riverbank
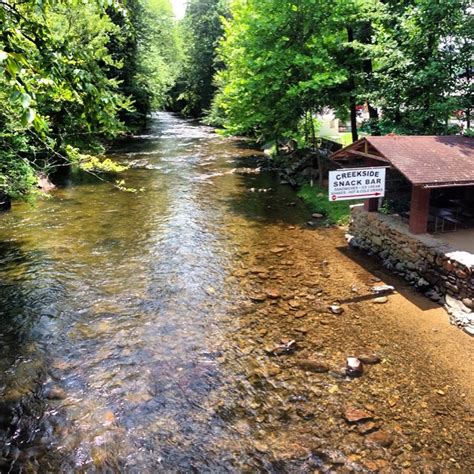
{"points": [[316, 198], [419, 398]]}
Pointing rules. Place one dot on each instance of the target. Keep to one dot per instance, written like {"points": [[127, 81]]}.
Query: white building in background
{"points": [[333, 128]]}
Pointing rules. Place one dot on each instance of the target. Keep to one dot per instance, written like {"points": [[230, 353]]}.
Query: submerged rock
{"points": [[312, 365], [336, 309], [258, 297], [54, 393], [283, 349], [273, 293], [380, 438], [357, 415], [369, 358], [277, 250]]}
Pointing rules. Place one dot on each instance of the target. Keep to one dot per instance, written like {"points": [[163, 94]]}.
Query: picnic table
{"points": [[442, 215]]}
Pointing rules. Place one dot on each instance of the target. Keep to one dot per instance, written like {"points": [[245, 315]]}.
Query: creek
{"points": [[136, 329]]}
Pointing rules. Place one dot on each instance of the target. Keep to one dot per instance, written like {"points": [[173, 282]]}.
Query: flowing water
{"points": [[129, 342]]}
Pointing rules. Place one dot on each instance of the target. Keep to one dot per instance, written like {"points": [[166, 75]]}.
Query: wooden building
{"points": [[428, 163]]}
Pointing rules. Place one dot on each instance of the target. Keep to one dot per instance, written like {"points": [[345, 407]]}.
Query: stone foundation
{"points": [[444, 274]]}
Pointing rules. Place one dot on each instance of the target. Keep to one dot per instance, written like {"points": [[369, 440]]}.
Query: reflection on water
{"points": [[137, 330]]}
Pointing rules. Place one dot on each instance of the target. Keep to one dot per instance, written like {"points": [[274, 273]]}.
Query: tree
{"points": [[422, 49], [71, 74], [202, 29], [278, 65], [403, 59]]}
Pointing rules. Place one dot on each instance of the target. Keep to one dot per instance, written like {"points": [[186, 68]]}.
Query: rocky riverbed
{"points": [[404, 411]]}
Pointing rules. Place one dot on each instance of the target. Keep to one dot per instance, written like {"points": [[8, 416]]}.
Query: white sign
{"points": [[356, 183]]}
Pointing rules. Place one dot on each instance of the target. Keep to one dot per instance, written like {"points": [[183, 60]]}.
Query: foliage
{"points": [[277, 59], [317, 199], [286, 59], [149, 52], [66, 85], [422, 48], [201, 29]]}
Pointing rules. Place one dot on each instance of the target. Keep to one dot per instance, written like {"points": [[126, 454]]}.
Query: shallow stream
{"points": [[136, 330]]}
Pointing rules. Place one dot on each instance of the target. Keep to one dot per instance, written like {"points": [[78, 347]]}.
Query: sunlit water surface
{"points": [[119, 316]]}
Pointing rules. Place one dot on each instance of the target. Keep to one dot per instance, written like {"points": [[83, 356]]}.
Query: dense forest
{"points": [[73, 76], [76, 74]]}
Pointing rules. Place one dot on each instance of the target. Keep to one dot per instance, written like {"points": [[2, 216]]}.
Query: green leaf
{"points": [[25, 100], [12, 66], [14, 96], [28, 116]]}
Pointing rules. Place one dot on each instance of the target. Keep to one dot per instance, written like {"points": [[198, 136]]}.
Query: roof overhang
{"points": [[365, 148], [446, 185], [359, 149]]}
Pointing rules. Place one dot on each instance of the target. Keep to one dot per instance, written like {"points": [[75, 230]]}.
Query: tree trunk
{"points": [[306, 129], [352, 105], [468, 109], [367, 67], [352, 99]]}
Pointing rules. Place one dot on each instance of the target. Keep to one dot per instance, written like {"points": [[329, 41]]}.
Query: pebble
{"points": [[273, 293], [369, 358], [312, 366], [381, 438], [277, 250], [367, 428], [55, 393], [335, 309], [258, 270], [383, 288], [259, 297], [109, 417], [317, 215], [260, 447], [354, 367], [380, 300], [287, 348], [356, 415]]}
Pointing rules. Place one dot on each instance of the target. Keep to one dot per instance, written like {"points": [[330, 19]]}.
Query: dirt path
{"points": [[419, 398]]}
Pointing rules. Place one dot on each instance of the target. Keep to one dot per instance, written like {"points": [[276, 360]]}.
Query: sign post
{"points": [[356, 183]]}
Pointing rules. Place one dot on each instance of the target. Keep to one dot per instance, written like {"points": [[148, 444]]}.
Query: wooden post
{"points": [[372, 204], [419, 209]]}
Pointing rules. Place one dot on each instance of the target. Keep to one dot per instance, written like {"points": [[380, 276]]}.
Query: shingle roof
{"points": [[424, 160]]}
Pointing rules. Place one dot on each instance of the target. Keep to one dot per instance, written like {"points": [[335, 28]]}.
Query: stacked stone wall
{"points": [[445, 274]]}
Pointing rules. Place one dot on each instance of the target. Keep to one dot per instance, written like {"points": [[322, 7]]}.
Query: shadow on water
{"points": [[262, 198], [28, 298]]}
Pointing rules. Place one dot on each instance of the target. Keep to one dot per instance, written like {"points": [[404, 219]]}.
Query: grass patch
{"points": [[317, 200]]}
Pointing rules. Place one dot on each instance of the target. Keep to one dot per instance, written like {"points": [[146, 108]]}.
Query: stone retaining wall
{"points": [[444, 274]]}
